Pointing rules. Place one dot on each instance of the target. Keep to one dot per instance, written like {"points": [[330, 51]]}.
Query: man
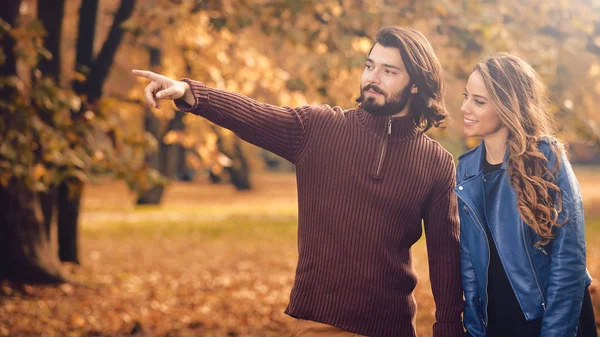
{"points": [[366, 178]]}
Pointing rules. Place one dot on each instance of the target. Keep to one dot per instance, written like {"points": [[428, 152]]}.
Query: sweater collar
{"points": [[403, 128]]}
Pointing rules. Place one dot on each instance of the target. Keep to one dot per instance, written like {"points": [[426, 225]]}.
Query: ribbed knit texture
{"points": [[356, 225]]}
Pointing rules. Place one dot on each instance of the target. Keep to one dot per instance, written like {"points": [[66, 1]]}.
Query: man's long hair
{"points": [[519, 96], [427, 105]]}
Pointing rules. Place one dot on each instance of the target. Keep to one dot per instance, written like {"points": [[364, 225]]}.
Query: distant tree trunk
{"points": [[69, 200], [50, 14], [69, 203], [173, 155], [240, 170], [152, 126], [85, 41], [47, 205], [104, 60], [25, 251]]}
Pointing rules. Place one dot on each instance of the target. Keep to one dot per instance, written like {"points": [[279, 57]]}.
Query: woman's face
{"points": [[480, 116]]}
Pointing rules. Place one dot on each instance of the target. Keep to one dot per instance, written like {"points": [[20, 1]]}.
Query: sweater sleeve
{"points": [[281, 130], [442, 233]]}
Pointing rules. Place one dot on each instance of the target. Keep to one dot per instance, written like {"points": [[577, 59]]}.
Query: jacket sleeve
{"points": [[472, 314], [567, 275], [281, 130], [442, 234]]}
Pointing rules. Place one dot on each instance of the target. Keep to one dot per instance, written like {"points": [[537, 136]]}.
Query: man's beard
{"points": [[395, 104]]}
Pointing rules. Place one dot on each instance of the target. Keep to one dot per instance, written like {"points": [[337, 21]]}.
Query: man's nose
{"points": [[373, 77]]}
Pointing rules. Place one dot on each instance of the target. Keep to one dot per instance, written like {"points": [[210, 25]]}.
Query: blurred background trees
{"points": [[71, 112]]}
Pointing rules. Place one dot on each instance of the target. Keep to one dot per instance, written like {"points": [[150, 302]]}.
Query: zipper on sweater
{"points": [[383, 151]]}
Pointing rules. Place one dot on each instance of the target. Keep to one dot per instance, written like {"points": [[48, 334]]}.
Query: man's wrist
{"points": [[188, 95]]}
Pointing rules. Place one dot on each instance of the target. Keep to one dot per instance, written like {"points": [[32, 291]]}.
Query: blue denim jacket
{"points": [[548, 281]]}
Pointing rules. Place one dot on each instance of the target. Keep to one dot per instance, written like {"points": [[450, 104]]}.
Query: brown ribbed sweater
{"points": [[363, 188]]}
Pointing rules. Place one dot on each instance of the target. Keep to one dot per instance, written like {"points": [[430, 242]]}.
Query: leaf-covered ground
{"points": [[208, 262]]}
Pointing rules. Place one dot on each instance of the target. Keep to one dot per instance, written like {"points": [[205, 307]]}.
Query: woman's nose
{"points": [[464, 107]]}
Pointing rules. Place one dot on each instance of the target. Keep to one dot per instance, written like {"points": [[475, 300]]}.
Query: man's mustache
{"points": [[374, 88]]}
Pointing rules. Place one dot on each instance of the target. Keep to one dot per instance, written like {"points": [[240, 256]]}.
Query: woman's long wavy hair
{"points": [[520, 98]]}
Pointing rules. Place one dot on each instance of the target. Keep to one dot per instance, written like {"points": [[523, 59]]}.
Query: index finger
{"points": [[146, 74]]}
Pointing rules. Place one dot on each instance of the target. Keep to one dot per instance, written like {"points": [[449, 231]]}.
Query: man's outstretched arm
{"points": [[281, 130]]}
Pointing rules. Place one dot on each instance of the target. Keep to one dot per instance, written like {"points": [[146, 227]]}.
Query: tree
{"points": [[25, 249], [95, 71]]}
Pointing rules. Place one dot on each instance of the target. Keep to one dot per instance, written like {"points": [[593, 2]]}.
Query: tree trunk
{"points": [[51, 13], [152, 126], [85, 41], [69, 202], [173, 155], [69, 195], [9, 11], [240, 170], [104, 61], [25, 252], [48, 207]]}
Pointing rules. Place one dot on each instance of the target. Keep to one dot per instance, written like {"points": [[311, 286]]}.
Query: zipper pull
{"points": [[541, 249], [390, 125]]}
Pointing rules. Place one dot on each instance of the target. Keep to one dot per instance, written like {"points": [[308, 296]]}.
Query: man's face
{"points": [[384, 88]]}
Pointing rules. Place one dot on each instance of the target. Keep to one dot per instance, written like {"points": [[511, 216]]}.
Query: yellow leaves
{"points": [[38, 171], [215, 75], [78, 320], [226, 35], [361, 44], [79, 76], [8, 151], [441, 9], [172, 137], [223, 58], [594, 70], [568, 104], [66, 288], [321, 48], [203, 40], [89, 115]]}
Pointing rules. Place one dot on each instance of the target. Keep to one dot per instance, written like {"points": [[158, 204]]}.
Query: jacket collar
{"points": [[474, 159], [403, 128]]}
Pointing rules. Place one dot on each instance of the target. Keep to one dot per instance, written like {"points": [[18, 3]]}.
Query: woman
{"points": [[522, 226]]}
